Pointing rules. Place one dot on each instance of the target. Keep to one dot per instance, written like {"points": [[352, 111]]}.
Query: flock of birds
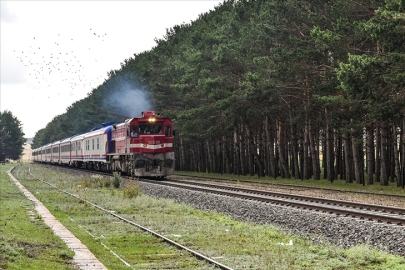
{"points": [[60, 61]]}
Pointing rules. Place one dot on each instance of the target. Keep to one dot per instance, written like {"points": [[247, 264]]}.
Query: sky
{"points": [[54, 53]]}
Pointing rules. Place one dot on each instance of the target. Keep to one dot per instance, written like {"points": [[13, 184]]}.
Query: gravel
{"points": [[317, 227]]}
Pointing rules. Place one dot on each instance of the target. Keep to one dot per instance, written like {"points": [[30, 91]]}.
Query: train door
{"points": [[128, 140]]}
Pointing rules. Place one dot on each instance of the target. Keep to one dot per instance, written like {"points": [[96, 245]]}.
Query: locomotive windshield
{"points": [[150, 128]]}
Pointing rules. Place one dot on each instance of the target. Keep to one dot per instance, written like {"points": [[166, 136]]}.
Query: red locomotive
{"points": [[142, 146]]}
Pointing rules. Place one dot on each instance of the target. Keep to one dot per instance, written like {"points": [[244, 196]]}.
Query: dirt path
{"points": [[83, 257]]}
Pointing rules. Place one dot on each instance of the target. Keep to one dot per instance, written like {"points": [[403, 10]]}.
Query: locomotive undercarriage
{"points": [[142, 164]]}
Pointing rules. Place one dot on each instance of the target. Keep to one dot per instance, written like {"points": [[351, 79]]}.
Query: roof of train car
{"points": [[97, 132], [100, 130]]}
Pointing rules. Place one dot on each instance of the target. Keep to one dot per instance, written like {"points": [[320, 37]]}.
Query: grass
{"points": [[233, 243], [97, 229], [25, 241], [323, 183]]}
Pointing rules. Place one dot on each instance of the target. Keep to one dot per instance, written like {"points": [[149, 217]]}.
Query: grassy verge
{"points": [[323, 183], [233, 243], [99, 231], [25, 241]]}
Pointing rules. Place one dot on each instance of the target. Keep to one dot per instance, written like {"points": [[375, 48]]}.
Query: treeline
{"points": [[11, 136], [279, 88]]}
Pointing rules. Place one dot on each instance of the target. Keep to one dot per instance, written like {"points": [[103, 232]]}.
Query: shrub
{"points": [[132, 190], [117, 179]]}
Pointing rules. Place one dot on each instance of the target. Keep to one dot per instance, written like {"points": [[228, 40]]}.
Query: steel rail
{"points": [[361, 214], [357, 205], [178, 245], [360, 208], [296, 186]]}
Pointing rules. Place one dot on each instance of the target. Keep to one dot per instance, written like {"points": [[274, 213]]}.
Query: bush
{"points": [[100, 181], [117, 179], [132, 190]]}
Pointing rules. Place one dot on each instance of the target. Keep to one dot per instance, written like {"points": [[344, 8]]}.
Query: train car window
{"points": [[167, 130], [134, 131], [98, 143], [93, 144], [150, 128]]}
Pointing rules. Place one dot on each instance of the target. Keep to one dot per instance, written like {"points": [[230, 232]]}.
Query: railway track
{"points": [[169, 241], [363, 211], [379, 213], [290, 186]]}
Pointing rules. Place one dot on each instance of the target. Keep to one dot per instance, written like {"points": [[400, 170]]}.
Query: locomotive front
{"points": [[143, 146]]}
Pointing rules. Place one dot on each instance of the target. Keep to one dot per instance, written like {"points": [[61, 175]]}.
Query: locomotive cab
{"points": [[147, 149]]}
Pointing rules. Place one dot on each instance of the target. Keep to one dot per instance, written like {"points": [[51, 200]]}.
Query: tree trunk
{"points": [[384, 173], [305, 170], [253, 149], [183, 156], [294, 152], [396, 154], [314, 154], [378, 154], [244, 156], [348, 158], [280, 140], [270, 147], [358, 169], [402, 147], [324, 156], [329, 150], [237, 160], [339, 161], [370, 156]]}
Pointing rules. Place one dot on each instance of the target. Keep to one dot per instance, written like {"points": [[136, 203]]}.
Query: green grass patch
{"points": [[236, 244], [97, 229], [25, 241]]}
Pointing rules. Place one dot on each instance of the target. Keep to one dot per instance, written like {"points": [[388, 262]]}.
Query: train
{"points": [[139, 147]]}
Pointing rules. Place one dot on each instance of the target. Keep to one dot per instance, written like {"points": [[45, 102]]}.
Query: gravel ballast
{"points": [[318, 227]]}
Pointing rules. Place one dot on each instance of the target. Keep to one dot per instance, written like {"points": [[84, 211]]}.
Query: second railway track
{"points": [[379, 213], [363, 211]]}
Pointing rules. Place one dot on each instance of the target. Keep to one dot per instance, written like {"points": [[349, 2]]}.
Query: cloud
{"points": [[7, 15]]}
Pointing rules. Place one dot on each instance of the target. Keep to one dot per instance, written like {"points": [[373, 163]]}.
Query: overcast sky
{"points": [[54, 53]]}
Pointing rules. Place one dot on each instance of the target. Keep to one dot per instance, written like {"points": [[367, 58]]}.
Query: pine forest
{"points": [[291, 89]]}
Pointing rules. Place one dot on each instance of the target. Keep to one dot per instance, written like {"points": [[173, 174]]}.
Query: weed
{"points": [[117, 179], [100, 181], [132, 190]]}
